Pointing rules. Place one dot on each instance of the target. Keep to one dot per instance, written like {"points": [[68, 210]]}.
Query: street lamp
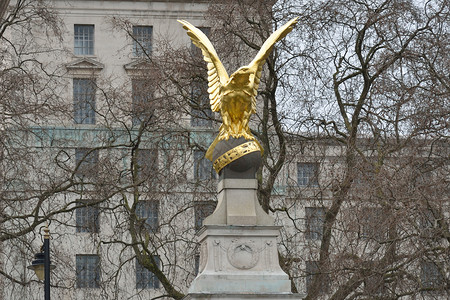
{"points": [[41, 263]]}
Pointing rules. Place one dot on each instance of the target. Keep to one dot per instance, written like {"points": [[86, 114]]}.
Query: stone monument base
{"points": [[240, 262], [242, 296]]}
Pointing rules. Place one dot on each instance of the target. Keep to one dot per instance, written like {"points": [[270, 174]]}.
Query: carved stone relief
{"points": [[217, 255], [243, 255]]}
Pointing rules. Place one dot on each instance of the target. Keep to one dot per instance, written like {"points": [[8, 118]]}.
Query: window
{"points": [[84, 39], [142, 104], [142, 40], [203, 169], [315, 217], [202, 209], [84, 101], [312, 270], [373, 225], [87, 218], [144, 278], [147, 213], [432, 275], [86, 162], [88, 271], [147, 163], [201, 113], [307, 174]]}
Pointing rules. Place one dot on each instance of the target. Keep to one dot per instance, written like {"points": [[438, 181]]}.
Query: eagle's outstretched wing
{"points": [[217, 75], [265, 50]]}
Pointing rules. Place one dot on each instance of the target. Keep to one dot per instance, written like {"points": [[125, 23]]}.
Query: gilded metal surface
{"points": [[235, 96], [235, 153]]}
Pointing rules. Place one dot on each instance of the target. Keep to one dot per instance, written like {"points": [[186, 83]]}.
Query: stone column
{"points": [[238, 204]]}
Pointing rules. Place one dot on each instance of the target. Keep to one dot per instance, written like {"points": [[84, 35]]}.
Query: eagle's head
{"points": [[240, 78]]}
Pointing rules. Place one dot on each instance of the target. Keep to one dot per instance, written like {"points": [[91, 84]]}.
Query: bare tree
{"points": [[364, 85]]}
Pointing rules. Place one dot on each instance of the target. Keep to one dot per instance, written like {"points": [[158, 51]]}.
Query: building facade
{"points": [[115, 164]]}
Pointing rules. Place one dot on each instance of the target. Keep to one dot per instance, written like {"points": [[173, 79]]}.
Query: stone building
{"points": [[116, 164]]}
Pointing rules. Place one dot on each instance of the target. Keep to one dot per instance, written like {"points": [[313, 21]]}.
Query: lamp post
{"points": [[41, 264]]}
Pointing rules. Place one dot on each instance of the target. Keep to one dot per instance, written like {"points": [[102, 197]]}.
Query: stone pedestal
{"points": [[240, 262], [238, 249], [225, 296]]}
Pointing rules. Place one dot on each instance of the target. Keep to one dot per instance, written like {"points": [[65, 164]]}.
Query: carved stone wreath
{"points": [[243, 255]]}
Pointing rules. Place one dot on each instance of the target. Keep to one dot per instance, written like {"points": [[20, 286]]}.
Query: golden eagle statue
{"points": [[235, 96]]}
